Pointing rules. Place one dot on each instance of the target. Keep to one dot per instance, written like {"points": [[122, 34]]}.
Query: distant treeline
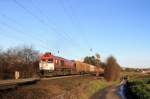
{"points": [[23, 59]]}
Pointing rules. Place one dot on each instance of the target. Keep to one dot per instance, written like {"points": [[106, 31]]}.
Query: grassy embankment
{"points": [[68, 88], [92, 88]]}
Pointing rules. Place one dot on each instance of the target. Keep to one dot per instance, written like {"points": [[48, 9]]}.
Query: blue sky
{"points": [[109, 27]]}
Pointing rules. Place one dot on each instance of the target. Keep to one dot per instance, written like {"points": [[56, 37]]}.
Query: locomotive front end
{"points": [[46, 64]]}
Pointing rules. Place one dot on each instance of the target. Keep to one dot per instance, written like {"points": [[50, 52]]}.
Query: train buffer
{"points": [[10, 84]]}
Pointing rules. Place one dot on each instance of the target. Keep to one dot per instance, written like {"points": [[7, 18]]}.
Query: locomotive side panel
{"points": [[61, 63]]}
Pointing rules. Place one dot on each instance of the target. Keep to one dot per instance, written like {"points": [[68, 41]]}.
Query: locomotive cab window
{"points": [[50, 60]]}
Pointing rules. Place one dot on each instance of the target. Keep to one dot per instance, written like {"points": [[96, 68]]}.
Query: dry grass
{"points": [[136, 75], [70, 88]]}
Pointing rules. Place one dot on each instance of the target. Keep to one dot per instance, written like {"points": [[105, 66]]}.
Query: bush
{"points": [[139, 89], [112, 69]]}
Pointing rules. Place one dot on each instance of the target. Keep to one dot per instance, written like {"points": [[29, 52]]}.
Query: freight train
{"points": [[51, 65]]}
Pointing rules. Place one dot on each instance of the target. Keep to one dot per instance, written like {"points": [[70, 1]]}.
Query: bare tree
{"points": [[23, 59], [98, 56], [98, 60]]}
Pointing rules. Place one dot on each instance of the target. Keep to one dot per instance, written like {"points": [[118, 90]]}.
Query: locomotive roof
{"points": [[48, 54]]}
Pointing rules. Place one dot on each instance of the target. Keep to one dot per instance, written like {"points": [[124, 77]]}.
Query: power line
{"points": [[43, 22], [14, 21], [46, 17], [38, 19], [70, 16], [18, 31], [8, 36]]}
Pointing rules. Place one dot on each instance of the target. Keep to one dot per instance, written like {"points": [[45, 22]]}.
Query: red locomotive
{"points": [[51, 65]]}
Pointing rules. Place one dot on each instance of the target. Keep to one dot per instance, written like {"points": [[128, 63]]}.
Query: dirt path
{"points": [[110, 92]]}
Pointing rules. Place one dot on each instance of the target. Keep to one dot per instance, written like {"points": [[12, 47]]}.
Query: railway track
{"points": [[11, 84], [60, 77]]}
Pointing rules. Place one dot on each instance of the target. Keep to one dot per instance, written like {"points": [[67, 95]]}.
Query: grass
{"points": [[93, 87], [136, 75]]}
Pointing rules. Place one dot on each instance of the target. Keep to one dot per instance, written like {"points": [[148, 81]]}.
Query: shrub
{"points": [[112, 69], [139, 89]]}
